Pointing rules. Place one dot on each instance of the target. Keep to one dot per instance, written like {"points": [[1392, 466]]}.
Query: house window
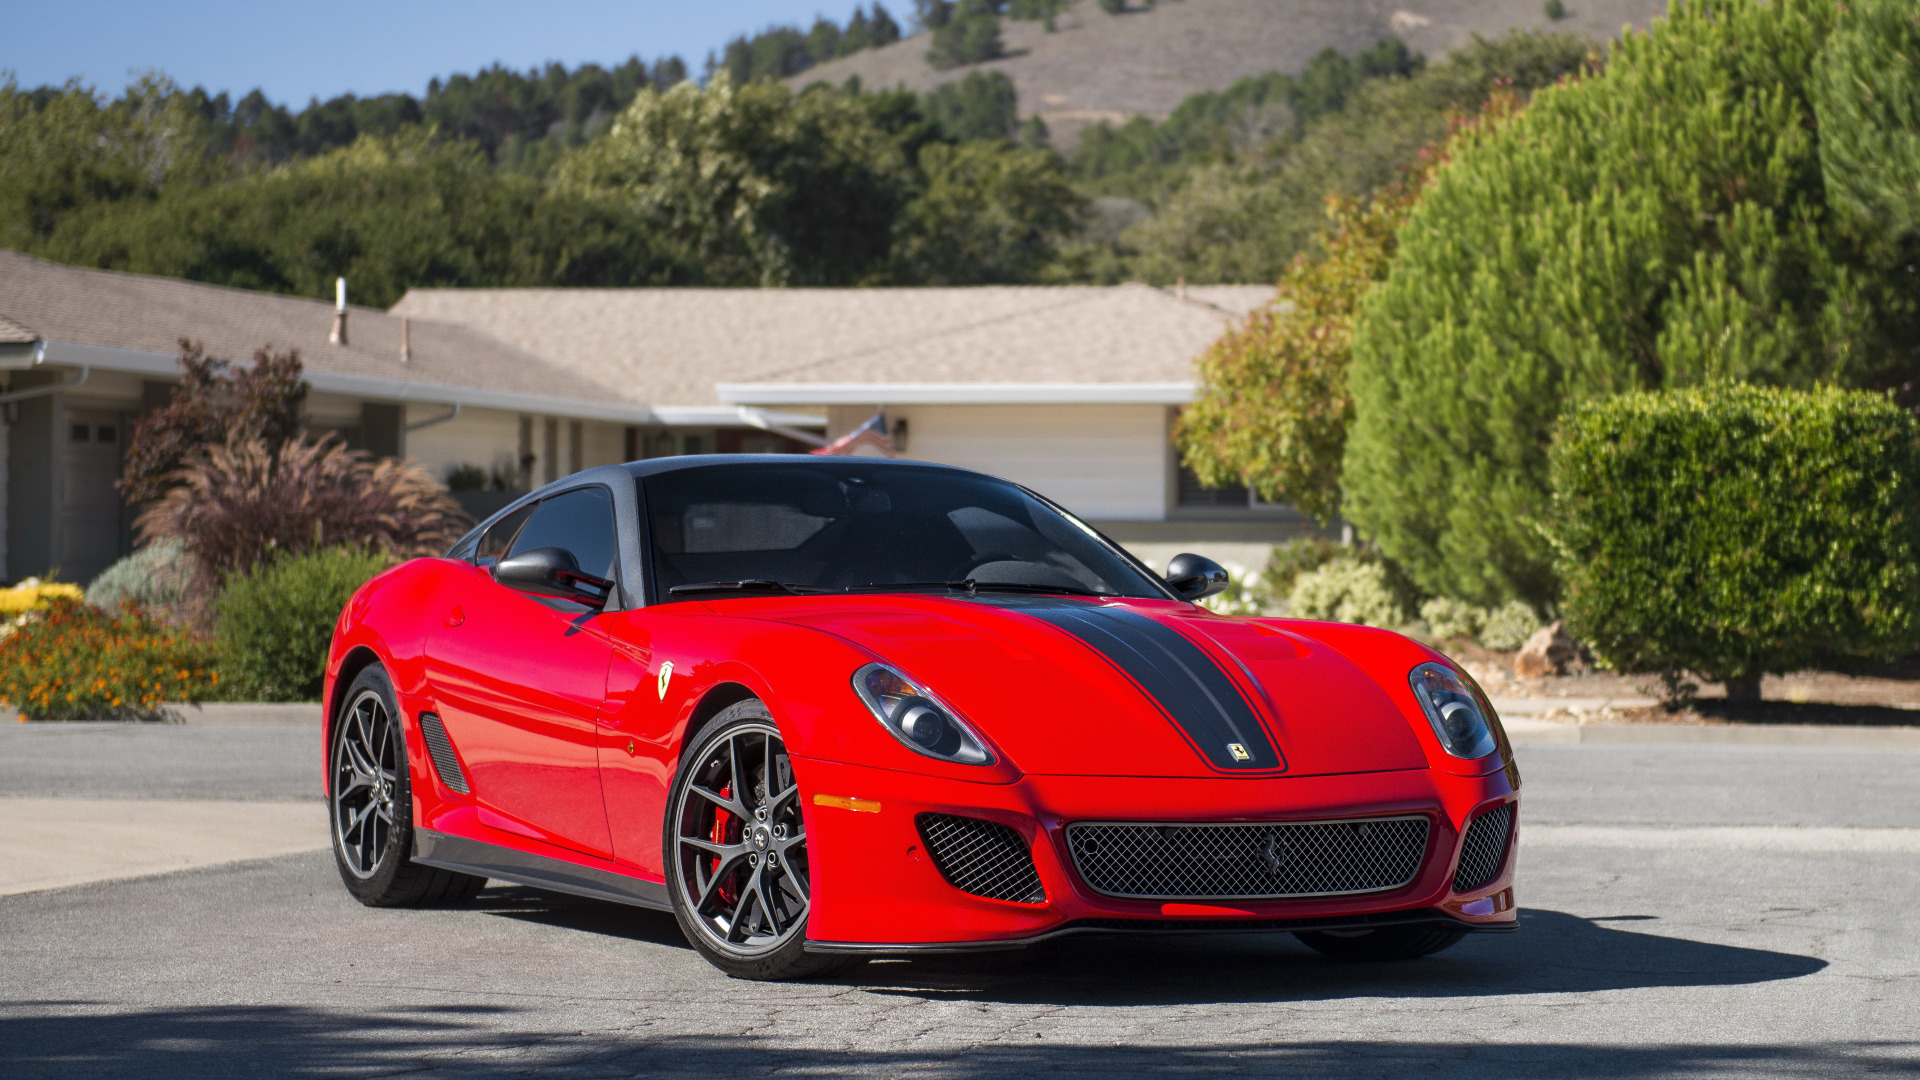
{"points": [[104, 434], [80, 432], [1194, 494]]}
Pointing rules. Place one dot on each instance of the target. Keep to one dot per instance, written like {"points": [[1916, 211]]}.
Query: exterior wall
{"points": [[1103, 462], [487, 438]]}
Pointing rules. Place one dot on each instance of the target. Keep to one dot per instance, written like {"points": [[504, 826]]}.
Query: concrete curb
{"points": [[1527, 731], [249, 712]]}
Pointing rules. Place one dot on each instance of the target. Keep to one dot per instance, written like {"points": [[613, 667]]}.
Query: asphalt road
{"points": [[1687, 912]]}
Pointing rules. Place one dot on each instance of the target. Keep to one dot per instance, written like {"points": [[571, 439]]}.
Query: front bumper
{"points": [[876, 890]]}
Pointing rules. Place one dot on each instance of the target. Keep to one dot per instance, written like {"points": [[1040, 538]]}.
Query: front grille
{"points": [[1484, 849], [1249, 862], [440, 748], [984, 858]]}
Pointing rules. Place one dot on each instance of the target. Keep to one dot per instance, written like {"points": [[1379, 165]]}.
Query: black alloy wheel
{"points": [[736, 845], [1385, 943], [370, 805]]}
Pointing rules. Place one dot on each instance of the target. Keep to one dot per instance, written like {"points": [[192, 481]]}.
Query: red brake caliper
{"points": [[722, 824]]}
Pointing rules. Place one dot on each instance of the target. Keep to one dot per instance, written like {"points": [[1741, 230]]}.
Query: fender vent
{"points": [[1485, 849], [445, 762], [984, 858]]}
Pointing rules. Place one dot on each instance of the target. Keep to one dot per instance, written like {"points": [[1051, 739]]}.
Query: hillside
{"points": [[1099, 67]]}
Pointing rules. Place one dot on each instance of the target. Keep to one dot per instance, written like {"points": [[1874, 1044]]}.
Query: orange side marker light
{"points": [[847, 802]]}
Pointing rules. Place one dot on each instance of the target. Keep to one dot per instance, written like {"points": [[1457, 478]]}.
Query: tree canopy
{"points": [[1664, 221]]}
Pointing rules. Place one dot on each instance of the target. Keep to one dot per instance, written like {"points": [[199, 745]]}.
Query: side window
{"points": [[494, 544], [581, 521]]}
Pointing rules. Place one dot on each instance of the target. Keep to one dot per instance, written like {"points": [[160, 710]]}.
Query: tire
{"points": [[370, 806], [735, 852], [1386, 943]]}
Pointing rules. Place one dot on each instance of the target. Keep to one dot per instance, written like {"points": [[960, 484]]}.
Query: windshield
{"points": [[851, 526]]}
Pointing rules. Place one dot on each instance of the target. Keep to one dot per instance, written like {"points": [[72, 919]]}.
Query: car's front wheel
{"points": [[736, 847], [370, 805], [1385, 943]]}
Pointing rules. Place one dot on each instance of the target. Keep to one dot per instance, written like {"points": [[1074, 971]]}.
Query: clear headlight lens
{"points": [[1453, 710], [914, 717]]}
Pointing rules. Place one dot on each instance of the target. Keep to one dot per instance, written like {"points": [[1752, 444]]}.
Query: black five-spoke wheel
{"points": [[365, 774], [737, 850]]}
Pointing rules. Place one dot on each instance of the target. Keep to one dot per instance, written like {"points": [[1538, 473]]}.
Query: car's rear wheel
{"points": [[1384, 943], [370, 806], [736, 847]]}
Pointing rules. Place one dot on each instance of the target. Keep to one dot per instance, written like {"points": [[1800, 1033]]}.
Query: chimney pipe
{"points": [[338, 335], [406, 340]]}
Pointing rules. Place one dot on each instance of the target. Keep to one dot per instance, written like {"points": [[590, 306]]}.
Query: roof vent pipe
{"points": [[406, 340], [338, 335]]}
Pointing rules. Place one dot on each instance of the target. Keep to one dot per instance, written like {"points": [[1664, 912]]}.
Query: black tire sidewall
{"points": [[790, 960], [381, 886]]}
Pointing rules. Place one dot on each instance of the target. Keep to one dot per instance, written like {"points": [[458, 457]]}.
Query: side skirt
{"points": [[481, 859], [1426, 917]]}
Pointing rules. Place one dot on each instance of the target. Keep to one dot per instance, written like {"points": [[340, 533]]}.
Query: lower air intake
{"points": [[984, 858], [1267, 861], [440, 748], [1485, 849]]}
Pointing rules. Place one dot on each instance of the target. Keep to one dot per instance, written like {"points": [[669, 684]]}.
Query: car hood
{"points": [[1127, 688]]}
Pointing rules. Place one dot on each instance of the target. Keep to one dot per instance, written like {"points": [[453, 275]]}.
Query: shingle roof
{"points": [[150, 314], [672, 346], [12, 333]]}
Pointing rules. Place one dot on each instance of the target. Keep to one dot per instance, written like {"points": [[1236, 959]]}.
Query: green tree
{"points": [[970, 35], [1867, 102], [984, 105], [1660, 223], [989, 213]]}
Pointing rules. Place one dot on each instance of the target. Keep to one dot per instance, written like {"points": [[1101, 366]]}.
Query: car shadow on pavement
{"points": [[580, 913], [1554, 953], [58, 1040]]}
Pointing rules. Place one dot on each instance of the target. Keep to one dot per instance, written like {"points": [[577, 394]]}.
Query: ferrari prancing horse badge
{"points": [[666, 673]]}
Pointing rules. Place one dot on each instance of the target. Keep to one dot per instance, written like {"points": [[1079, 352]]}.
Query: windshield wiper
{"points": [[970, 585], [751, 585]]}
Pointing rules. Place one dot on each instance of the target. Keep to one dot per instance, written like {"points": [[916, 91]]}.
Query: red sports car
{"points": [[829, 708]]}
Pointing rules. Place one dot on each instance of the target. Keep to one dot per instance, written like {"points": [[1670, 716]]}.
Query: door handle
{"points": [[457, 616]]}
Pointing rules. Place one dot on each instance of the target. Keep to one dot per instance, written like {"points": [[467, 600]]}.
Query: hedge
{"points": [[273, 626], [1732, 531]]}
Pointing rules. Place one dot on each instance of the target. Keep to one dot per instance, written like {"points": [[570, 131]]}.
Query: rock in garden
{"points": [[1547, 652]]}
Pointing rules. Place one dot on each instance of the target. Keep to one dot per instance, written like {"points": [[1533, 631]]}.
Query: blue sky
{"points": [[295, 51]]}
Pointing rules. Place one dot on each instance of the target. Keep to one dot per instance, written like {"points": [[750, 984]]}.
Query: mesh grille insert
{"points": [[440, 748], [1484, 849], [984, 858], [1247, 862]]}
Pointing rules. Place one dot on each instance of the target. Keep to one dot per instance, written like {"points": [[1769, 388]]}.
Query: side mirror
{"points": [[552, 571], [1196, 577]]}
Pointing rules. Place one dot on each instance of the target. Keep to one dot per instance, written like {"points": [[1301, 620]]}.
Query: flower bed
{"points": [[75, 662]]}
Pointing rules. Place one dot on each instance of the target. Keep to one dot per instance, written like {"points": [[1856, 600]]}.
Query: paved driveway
{"points": [[1689, 912]]}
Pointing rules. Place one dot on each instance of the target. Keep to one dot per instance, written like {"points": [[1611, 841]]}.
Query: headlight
{"points": [[912, 715], [1453, 711]]}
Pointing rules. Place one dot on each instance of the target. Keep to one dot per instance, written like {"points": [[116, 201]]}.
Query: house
{"points": [[1071, 390], [85, 352]]}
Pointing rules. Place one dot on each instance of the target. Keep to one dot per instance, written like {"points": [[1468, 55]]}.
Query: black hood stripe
{"points": [[1186, 683]]}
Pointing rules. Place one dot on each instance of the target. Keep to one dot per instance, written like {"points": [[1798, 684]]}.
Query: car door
{"points": [[519, 681]]}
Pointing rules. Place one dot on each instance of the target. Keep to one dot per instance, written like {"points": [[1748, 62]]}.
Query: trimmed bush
{"points": [[158, 579], [1732, 531], [1347, 590], [76, 662], [273, 626], [1452, 620], [1507, 627]]}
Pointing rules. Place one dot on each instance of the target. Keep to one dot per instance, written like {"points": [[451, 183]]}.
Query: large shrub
{"points": [[272, 627], [76, 662], [158, 578], [244, 504], [1659, 223], [1732, 531]]}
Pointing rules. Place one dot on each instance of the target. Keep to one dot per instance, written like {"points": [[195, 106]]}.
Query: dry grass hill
{"points": [[1097, 66]]}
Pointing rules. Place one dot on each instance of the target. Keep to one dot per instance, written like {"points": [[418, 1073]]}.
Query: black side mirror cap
{"points": [[1196, 577], [552, 571]]}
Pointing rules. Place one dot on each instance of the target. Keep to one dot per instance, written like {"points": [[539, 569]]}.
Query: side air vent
{"points": [[984, 858], [445, 761], [1485, 849]]}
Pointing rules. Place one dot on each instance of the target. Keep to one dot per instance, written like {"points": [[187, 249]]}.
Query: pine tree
{"points": [[1662, 222]]}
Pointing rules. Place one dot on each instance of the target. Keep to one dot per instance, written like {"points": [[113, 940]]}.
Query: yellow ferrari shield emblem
{"points": [[1238, 751]]}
